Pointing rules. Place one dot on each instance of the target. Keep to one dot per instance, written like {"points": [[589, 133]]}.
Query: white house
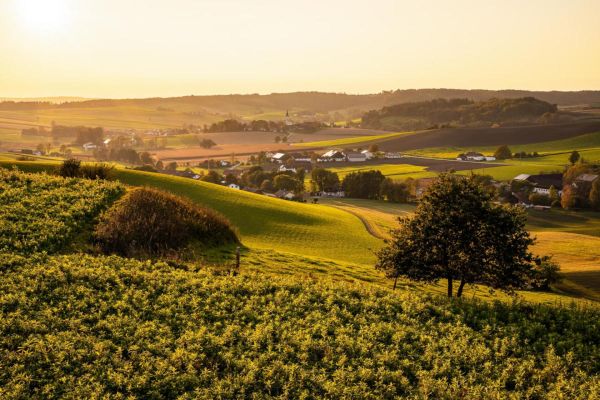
{"points": [[233, 186], [368, 154], [393, 155], [283, 168], [89, 146], [356, 157], [474, 156], [332, 155], [278, 157]]}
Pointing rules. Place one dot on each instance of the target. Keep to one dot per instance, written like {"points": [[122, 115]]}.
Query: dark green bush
{"points": [[97, 171], [148, 222], [72, 168]]}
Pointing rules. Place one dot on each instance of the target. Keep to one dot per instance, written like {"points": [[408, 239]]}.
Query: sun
{"points": [[44, 16]]}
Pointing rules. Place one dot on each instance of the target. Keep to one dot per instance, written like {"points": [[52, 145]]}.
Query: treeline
{"points": [[372, 185], [457, 112], [233, 125], [269, 181], [82, 134]]}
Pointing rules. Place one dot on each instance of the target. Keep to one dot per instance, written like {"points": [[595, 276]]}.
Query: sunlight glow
{"points": [[43, 16]]}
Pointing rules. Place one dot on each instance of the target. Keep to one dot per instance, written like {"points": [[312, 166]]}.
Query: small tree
{"points": [[212, 176], [374, 148], [286, 182], [574, 157], [503, 153], [70, 168], [457, 233], [172, 166], [595, 195], [326, 181]]}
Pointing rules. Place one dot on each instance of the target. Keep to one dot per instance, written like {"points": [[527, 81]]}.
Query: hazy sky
{"points": [[139, 48]]}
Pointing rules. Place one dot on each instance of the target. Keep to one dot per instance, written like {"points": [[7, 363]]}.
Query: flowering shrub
{"points": [[39, 212], [84, 327]]}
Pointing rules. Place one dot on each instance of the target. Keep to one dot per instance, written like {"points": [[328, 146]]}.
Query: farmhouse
{"points": [[278, 157], [300, 157], [393, 155], [333, 155], [356, 157], [368, 154], [284, 168], [89, 146], [585, 179], [543, 182]]}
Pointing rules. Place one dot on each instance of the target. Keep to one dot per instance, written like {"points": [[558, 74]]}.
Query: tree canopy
{"points": [[457, 233]]}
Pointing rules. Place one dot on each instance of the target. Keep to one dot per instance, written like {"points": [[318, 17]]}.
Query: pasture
{"points": [[572, 238], [283, 237]]}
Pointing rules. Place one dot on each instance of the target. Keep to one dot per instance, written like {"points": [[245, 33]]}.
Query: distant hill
{"points": [[53, 100], [175, 112], [320, 101], [458, 112]]}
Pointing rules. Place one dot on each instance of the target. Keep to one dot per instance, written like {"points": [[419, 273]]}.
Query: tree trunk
{"points": [[449, 285], [460, 288], [396, 281]]}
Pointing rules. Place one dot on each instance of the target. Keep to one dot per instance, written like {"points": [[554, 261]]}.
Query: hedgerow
{"points": [[39, 212], [86, 327]]}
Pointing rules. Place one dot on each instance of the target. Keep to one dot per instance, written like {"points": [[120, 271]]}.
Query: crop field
{"points": [[394, 171], [128, 328], [41, 213], [353, 140], [121, 117], [470, 137]]}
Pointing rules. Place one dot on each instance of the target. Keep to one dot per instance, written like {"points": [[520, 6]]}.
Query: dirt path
{"points": [[372, 231]]}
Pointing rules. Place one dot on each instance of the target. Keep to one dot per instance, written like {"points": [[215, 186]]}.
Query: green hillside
{"points": [[265, 223]]}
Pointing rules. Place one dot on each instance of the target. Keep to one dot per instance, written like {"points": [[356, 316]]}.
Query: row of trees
{"points": [[363, 185], [233, 125], [443, 112], [269, 181]]}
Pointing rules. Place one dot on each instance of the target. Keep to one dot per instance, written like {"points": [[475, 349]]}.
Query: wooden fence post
{"points": [[237, 261]]}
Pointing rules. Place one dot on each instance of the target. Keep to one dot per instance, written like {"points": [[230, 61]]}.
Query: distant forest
{"points": [[442, 113], [313, 101]]}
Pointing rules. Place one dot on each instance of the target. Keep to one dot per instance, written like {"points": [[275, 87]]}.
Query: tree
{"points": [[458, 233], [146, 158], [285, 182], [172, 166], [363, 184], [568, 199], [212, 176], [159, 165], [374, 148], [595, 195], [267, 186], [553, 194], [326, 181], [207, 143], [397, 192], [574, 157], [503, 153]]}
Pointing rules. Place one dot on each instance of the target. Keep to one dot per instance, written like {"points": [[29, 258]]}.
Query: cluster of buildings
{"points": [[474, 156], [330, 156]]}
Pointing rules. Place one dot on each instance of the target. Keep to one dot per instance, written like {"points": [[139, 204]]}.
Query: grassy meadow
{"points": [[329, 239]]}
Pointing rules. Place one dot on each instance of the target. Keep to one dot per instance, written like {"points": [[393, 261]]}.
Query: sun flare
{"points": [[44, 16]]}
